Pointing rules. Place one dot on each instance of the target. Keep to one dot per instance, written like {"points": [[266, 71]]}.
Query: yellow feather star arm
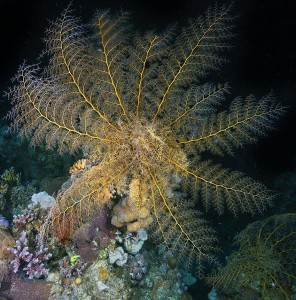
{"points": [[195, 52], [247, 119], [41, 105], [183, 232], [219, 187], [69, 53], [108, 38]]}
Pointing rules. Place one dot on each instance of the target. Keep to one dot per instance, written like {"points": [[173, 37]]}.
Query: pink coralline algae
{"points": [[29, 259]]}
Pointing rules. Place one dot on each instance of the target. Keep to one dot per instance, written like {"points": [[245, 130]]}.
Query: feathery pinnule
{"points": [[265, 259], [137, 107]]}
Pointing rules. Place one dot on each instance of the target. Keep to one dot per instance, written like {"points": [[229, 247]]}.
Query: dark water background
{"points": [[263, 59]]}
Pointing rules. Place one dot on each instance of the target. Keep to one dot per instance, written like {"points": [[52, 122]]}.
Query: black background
{"points": [[263, 59]]}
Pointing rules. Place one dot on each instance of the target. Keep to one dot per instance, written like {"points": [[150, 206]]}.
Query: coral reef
{"points": [[133, 242], [137, 107], [144, 276], [13, 195], [40, 163], [94, 236], [70, 268], [29, 257], [6, 241], [137, 267], [71, 278], [43, 199], [29, 219], [91, 285], [20, 197], [264, 264], [64, 228], [158, 281], [28, 289], [4, 223], [3, 191], [78, 166], [118, 256], [28, 253], [10, 177], [127, 211]]}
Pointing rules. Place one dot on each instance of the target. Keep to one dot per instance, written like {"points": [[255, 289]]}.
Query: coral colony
{"points": [[29, 254], [32, 262], [4, 223], [137, 107]]}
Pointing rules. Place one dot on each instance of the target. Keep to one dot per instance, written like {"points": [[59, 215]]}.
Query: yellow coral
{"points": [[78, 166], [103, 273]]}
